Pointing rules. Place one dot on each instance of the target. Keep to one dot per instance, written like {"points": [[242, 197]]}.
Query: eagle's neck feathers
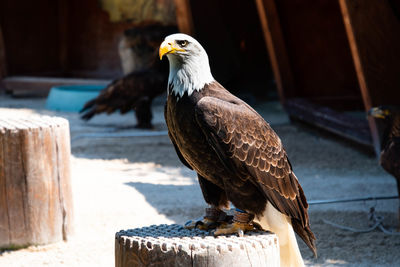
{"points": [[189, 75]]}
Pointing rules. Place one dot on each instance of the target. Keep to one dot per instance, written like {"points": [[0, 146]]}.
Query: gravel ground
{"points": [[121, 183]]}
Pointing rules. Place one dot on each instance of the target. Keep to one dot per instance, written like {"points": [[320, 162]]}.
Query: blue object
{"points": [[239, 210], [71, 97]]}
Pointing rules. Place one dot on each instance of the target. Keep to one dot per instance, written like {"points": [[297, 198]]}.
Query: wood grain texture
{"points": [[36, 200], [172, 245]]}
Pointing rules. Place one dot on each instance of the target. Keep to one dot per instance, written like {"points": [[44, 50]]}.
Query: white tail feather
{"points": [[281, 225]]}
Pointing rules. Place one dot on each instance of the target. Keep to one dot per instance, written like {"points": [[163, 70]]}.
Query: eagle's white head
{"points": [[189, 69]]}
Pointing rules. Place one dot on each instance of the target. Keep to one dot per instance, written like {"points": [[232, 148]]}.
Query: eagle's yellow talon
{"points": [[235, 228], [204, 224]]}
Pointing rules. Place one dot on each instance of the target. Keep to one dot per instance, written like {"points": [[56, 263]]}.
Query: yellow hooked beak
{"points": [[169, 47]]}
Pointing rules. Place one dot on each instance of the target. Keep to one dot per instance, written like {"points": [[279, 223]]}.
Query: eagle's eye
{"points": [[182, 43]]}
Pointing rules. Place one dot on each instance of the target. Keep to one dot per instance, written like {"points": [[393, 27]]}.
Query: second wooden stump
{"points": [[173, 245], [35, 191]]}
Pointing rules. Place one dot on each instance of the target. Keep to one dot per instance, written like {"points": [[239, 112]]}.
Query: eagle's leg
{"points": [[217, 200], [214, 216], [143, 113], [242, 222]]}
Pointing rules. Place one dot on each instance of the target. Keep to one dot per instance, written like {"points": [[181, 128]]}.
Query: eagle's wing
{"points": [[247, 144], [123, 94], [178, 152]]}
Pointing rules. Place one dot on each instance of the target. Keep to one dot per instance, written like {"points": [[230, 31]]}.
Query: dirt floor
{"points": [[122, 183]]}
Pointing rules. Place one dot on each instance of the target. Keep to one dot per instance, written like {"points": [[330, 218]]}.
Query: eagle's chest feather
{"points": [[190, 139]]}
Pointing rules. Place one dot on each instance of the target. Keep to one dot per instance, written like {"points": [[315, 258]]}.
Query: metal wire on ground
{"points": [[343, 200], [373, 218], [376, 220]]}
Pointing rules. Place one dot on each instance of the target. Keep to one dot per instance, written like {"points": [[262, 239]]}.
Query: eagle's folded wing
{"points": [[246, 144]]}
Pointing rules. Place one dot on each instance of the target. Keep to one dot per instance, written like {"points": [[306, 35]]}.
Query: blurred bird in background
{"points": [[145, 76], [390, 144]]}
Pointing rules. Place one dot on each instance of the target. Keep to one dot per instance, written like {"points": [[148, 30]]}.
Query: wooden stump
{"points": [[35, 191], [173, 245]]}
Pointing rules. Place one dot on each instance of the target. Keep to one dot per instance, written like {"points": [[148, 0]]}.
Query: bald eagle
{"points": [[390, 145], [238, 157]]}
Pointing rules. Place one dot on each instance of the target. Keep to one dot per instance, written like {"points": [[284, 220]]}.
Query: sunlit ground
{"points": [[121, 183]]}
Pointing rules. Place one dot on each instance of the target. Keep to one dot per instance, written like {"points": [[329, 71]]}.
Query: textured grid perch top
{"points": [[173, 245]]}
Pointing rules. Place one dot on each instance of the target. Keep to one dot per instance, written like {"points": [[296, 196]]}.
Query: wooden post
{"points": [[173, 245], [35, 191]]}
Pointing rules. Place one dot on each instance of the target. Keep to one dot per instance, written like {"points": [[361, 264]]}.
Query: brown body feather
{"points": [[237, 155]]}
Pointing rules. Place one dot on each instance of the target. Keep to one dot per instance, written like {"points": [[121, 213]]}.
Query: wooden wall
{"points": [[232, 35], [64, 38], [373, 28], [30, 35], [309, 51], [331, 56], [317, 47], [3, 61], [93, 40]]}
